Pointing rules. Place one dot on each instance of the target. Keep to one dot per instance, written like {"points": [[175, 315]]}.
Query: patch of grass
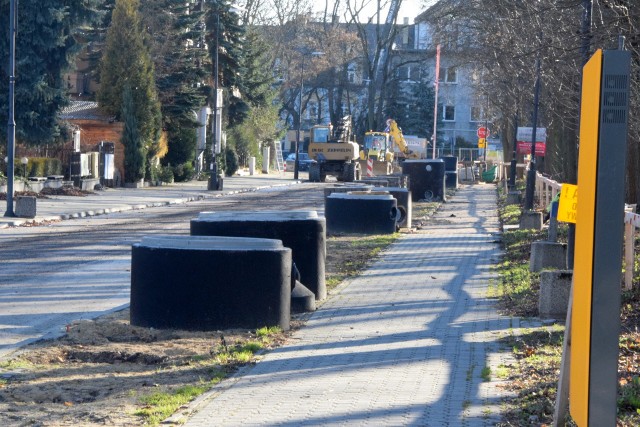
{"points": [[534, 378], [18, 363], [268, 331], [160, 405], [485, 374], [356, 254], [238, 354], [502, 372], [422, 210], [510, 214]]}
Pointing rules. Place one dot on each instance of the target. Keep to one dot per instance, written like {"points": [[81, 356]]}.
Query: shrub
{"points": [[166, 174], [231, 160], [183, 172]]}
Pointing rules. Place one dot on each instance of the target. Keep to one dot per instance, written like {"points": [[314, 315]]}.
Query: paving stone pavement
{"points": [[405, 343]]}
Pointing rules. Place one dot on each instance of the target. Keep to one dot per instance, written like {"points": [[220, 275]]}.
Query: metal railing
{"points": [[546, 190]]}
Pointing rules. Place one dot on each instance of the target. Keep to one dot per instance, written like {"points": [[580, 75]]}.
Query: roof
{"points": [[85, 110]]}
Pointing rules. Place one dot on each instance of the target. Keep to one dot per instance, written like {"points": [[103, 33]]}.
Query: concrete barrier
{"points": [[555, 287], [210, 283], [361, 212], [302, 231]]}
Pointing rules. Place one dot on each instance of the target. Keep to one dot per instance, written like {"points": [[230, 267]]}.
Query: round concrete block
{"points": [[366, 213], [403, 198], [210, 283], [345, 188], [426, 179], [302, 231]]}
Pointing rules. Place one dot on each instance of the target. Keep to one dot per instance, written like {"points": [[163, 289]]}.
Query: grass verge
{"points": [[538, 350]]}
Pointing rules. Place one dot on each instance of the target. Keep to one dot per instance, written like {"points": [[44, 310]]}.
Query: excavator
{"points": [[376, 146], [333, 152], [396, 136]]}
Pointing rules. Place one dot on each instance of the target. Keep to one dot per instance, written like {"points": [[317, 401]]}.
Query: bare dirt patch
{"points": [[100, 371]]}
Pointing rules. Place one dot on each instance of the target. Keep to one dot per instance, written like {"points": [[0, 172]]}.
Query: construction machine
{"points": [[396, 136], [376, 147], [333, 152]]}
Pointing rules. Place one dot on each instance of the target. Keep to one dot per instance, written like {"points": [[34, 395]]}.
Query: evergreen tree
{"points": [[134, 152], [222, 25], [412, 108], [47, 42], [126, 62]]}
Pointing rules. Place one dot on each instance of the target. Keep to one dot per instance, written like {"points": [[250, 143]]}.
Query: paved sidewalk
{"points": [[111, 200], [405, 343]]}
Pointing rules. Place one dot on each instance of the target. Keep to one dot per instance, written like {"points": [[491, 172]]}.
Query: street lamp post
{"points": [[531, 174], [11, 123], [213, 169]]}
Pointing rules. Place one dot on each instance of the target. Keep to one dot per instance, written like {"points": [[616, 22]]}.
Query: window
{"points": [[448, 113], [477, 113], [403, 73], [449, 75]]}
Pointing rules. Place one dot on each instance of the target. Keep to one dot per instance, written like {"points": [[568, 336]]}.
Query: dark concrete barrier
{"points": [[302, 231], [403, 199], [345, 188], [360, 212], [426, 179], [210, 283]]}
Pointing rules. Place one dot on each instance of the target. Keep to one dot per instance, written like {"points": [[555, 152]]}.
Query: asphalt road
{"points": [[54, 274]]}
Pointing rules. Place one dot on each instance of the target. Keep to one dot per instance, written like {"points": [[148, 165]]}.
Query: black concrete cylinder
{"points": [[451, 179], [366, 213], [302, 231], [345, 188], [450, 163], [426, 179], [403, 200], [210, 283]]}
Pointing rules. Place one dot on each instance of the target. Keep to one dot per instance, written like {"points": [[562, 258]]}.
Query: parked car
{"points": [[303, 161]]}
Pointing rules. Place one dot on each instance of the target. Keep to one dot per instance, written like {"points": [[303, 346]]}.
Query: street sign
{"points": [[568, 206], [482, 132], [482, 143], [526, 133]]}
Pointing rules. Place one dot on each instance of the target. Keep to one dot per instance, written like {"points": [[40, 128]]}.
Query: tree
{"points": [[134, 150], [49, 37], [126, 62], [227, 35]]}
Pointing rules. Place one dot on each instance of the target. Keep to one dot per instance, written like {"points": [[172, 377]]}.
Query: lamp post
{"points": [[297, 146], [213, 169], [11, 123], [531, 174]]}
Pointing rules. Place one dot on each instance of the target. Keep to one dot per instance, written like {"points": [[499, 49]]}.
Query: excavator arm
{"points": [[398, 139]]}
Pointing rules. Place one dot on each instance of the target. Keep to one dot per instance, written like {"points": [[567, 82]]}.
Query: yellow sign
{"points": [[568, 203], [584, 245], [482, 143]]}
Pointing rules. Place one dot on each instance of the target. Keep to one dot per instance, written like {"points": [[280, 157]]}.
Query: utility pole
{"points": [[11, 124], [213, 168], [514, 160], [531, 174]]}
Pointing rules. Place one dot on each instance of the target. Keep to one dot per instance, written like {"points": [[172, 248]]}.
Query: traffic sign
{"points": [[482, 143], [482, 132]]}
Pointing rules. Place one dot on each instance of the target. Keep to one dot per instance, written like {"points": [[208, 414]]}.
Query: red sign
{"points": [[524, 147], [482, 132]]}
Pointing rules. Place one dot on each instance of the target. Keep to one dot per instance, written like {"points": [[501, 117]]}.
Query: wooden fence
{"points": [[546, 190]]}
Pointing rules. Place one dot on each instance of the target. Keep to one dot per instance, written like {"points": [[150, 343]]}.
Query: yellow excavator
{"points": [[396, 136], [333, 152], [376, 147]]}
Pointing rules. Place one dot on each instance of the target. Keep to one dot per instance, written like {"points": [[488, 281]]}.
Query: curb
{"points": [[95, 212]]}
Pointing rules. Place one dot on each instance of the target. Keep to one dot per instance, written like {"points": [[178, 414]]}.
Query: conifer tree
{"points": [[126, 62], [134, 153], [46, 45], [223, 26]]}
